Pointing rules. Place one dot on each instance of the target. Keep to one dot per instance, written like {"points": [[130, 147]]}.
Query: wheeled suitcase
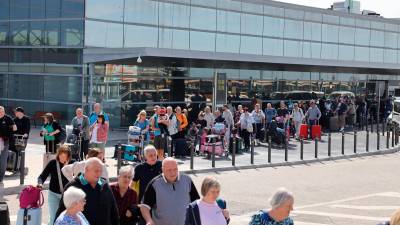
{"points": [[130, 152], [303, 131], [334, 123], [181, 147], [13, 161], [29, 216], [316, 132], [4, 214]]}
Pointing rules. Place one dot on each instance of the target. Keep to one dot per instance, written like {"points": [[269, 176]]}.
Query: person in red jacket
{"points": [[99, 133]]}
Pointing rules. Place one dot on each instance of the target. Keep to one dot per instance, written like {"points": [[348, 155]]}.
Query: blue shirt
{"points": [[269, 114], [156, 132], [65, 219], [143, 126], [93, 117], [263, 218]]}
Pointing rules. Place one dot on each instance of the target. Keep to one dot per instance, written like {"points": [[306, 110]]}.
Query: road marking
{"points": [[367, 207], [384, 194], [341, 215]]}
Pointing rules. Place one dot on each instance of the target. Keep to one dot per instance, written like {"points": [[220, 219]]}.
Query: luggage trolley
{"points": [[73, 140], [133, 150], [14, 158], [217, 136]]}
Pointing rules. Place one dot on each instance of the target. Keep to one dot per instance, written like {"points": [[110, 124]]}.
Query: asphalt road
{"points": [[362, 191]]}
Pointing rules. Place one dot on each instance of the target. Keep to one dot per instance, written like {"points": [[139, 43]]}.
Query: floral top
{"points": [[65, 219], [263, 218]]}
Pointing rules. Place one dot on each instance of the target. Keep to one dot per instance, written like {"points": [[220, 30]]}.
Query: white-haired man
{"points": [[167, 196], [97, 110], [101, 208]]}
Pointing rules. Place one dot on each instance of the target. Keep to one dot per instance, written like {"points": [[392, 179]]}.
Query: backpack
{"points": [[61, 136], [31, 197]]}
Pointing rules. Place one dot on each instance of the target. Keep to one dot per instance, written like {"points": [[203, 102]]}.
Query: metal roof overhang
{"points": [[178, 58]]}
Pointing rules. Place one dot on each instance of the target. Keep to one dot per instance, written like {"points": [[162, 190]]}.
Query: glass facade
{"points": [[42, 42], [41, 55]]}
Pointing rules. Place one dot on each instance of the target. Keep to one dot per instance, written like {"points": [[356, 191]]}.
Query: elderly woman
{"points": [[74, 201], [281, 205], [126, 197], [209, 210], [144, 125]]}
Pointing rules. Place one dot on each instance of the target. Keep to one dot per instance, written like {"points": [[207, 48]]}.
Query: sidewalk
{"points": [[35, 151]]}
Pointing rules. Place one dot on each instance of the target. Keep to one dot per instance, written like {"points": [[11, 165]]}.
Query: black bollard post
{"points": [[378, 141], [192, 155], [342, 142], [387, 139], [119, 158], [329, 144], [383, 128], [286, 151], [355, 142], [367, 142], [396, 135], [393, 133], [252, 151], [316, 148], [234, 151], [301, 149], [372, 126], [213, 156], [269, 149], [22, 165]]}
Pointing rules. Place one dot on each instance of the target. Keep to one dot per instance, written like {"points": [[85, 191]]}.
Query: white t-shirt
{"points": [[93, 139], [210, 214]]}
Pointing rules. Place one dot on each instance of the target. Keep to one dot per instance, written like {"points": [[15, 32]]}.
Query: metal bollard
{"points": [[301, 149], [387, 139], [286, 151], [378, 141], [252, 151], [372, 126], [119, 158], [393, 133], [383, 128], [192, 155], [234, 151], [396, 135], [22, 168], [269, 149], [329, 144], [265, 132], [170, 145], [316, 148], [213, 156], [355, 142], [367, 142], [343, 143]]}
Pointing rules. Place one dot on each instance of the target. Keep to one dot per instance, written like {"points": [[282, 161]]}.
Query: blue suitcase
{"points": [[130, 152], [31, 216]]}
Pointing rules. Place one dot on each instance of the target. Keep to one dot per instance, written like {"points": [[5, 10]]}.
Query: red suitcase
{"points": [[303, 131], [316, 132]]}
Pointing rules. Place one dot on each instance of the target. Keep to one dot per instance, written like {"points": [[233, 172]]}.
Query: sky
{"points": [[387, 8]]}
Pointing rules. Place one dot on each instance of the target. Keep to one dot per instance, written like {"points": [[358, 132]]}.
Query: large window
{"points": [[377, 38], [330, 33], [228, 43], [391, 40], [202, 41], [19, 33], [272, 47], [140, 36], [38, 9], [273, 26], [293, 29], [252, 24], [73, 8], [228, 21], [171, 38], [72, 33], [99, 34], [26, 60], [174, 15], [390, 56], [312, 31], [4, 10], [4, 30], [36, 33], [346, 52], [53, 8], [362, 36], [105, 9], [329, 51], [293, 48], [143, 11], [361, 54], [52, 33], [203, 18], [346, 35], [376, 55], [25, 87], [19, 9], [311, 50], [251, 45]]}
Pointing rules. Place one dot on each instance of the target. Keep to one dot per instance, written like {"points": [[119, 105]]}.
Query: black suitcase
{"points": [[181, 147], [4, 214], [13, 161]]}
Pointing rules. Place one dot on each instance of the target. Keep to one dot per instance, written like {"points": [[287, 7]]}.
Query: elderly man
{"points": [[100, 208], [81, 126], [7, 127], [97, 111], [167, 196]]}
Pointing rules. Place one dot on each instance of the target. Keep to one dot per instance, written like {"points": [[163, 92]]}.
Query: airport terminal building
{"points": [[56, 55]]}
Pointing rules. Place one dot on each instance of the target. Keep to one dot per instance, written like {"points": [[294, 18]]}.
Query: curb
{"points": [[17, 189]]}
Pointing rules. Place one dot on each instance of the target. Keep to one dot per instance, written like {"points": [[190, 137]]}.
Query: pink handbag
{"points": [[31, 197]]}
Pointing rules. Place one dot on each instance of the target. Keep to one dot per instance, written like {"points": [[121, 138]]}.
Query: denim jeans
{"points": [[54, 202], [3, 160]]}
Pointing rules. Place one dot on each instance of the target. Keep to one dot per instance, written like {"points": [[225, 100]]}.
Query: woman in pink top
{"points": [[209, 210], [99, 133]]}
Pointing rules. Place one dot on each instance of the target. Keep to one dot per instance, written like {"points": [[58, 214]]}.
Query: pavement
{"points": [[35, 151], [358, 191]]}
